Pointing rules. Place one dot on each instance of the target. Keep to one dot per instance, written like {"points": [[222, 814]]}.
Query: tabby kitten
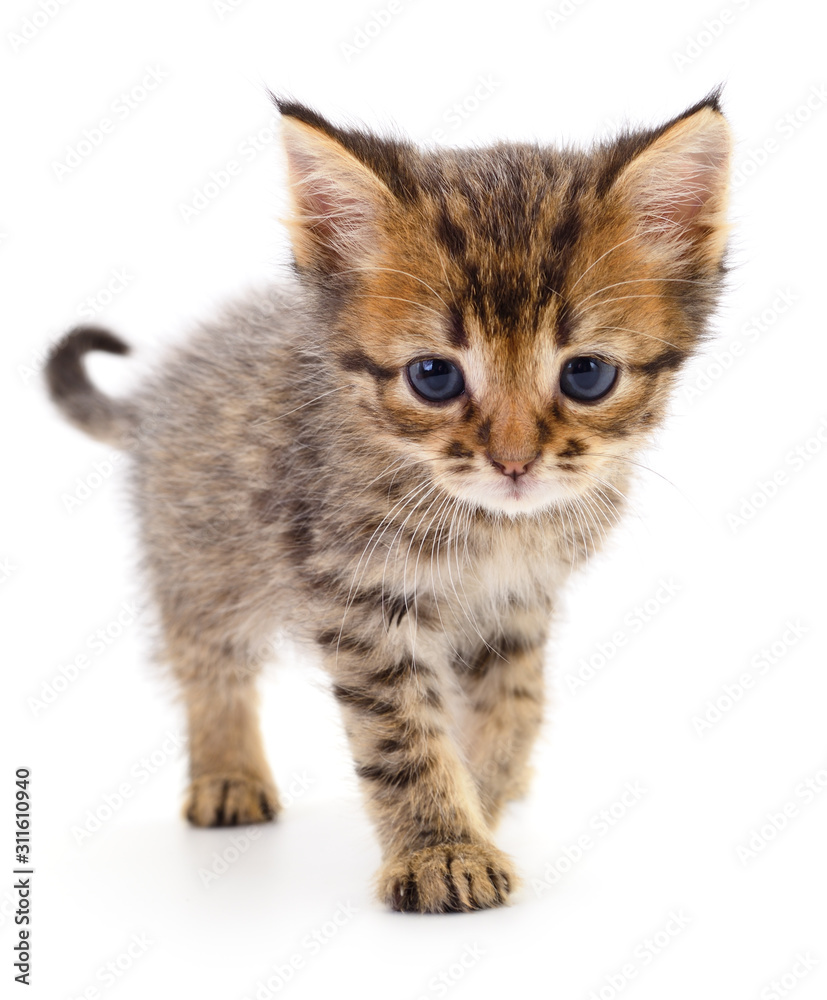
{"points": [[403, 454]]}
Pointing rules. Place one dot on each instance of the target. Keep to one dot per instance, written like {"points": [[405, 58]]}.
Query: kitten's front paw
{"points": [[230, 800], [448, 878]]}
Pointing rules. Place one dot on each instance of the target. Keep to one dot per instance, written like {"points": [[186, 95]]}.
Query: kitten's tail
{"points": [[110, 420]]}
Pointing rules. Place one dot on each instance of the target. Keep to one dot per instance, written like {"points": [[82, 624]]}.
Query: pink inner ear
{"points": [[332, 212], [681, 177], [326, 202], [692, 180]]}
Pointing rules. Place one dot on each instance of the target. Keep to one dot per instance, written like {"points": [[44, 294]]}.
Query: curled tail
{"points": [[109, 420]]}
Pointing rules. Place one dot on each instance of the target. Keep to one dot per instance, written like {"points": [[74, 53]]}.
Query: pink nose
{"points": [[513, 469]]}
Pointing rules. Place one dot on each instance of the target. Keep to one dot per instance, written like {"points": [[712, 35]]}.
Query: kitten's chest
{"points": [[495, 567]]}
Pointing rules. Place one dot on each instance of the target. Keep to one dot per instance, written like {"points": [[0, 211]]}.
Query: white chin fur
{"points": [[512, 499]]}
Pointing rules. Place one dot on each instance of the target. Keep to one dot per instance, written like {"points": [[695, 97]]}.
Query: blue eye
{"points": [[436, 379], [587, 379]]}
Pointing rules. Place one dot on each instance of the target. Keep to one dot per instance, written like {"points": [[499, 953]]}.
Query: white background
{"points": [[598, 925]]}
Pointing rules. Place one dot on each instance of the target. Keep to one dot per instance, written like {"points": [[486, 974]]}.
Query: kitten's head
{"points": [[513, 316]]}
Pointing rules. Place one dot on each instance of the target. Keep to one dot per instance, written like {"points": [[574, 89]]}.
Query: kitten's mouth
{"points": [[524, 495], [518, 489]]}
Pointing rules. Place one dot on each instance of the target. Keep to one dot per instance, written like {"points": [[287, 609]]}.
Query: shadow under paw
{"points": [[230, 800], [448, 878]]}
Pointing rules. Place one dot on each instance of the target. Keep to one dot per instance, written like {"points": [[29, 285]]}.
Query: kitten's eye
{"points": [[436, 379], [587, 379]]}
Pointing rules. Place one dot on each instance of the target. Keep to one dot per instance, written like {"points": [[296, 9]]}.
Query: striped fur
{"points": [[285, 472]]}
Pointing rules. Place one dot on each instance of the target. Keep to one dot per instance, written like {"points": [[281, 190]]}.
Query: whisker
{"points": [[445, 272], [633, 281], [330, 392], [617, 246], [619, 298], [572, 542], [576, 510], [395, 270], [593, 517], [654, 472], [437, 591], [430, 491], [397, 298], [411, 621], [638, 465], [464, 605], [356, 579], [649, 336]]}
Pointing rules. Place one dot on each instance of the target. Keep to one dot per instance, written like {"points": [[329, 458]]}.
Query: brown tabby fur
{"points": [[285, 473]]}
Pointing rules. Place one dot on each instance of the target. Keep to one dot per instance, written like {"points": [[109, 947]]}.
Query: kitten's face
{"points": [[541, 406], [514, 317]]}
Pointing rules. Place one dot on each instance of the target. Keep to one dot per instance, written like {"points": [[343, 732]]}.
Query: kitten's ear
{"points": [[337, 200], [677, 186]]}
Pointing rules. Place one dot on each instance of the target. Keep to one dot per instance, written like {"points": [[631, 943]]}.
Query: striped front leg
{"points": [[504, 687], [437, 854]]}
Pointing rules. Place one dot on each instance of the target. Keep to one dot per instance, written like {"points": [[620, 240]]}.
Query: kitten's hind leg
{"points": [[230, 780]]}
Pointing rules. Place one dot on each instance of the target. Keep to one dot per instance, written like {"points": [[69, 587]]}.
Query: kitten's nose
{"points": [[514, 468]]}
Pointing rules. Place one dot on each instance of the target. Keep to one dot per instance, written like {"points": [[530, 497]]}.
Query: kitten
{"points": [[403, 454]]}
